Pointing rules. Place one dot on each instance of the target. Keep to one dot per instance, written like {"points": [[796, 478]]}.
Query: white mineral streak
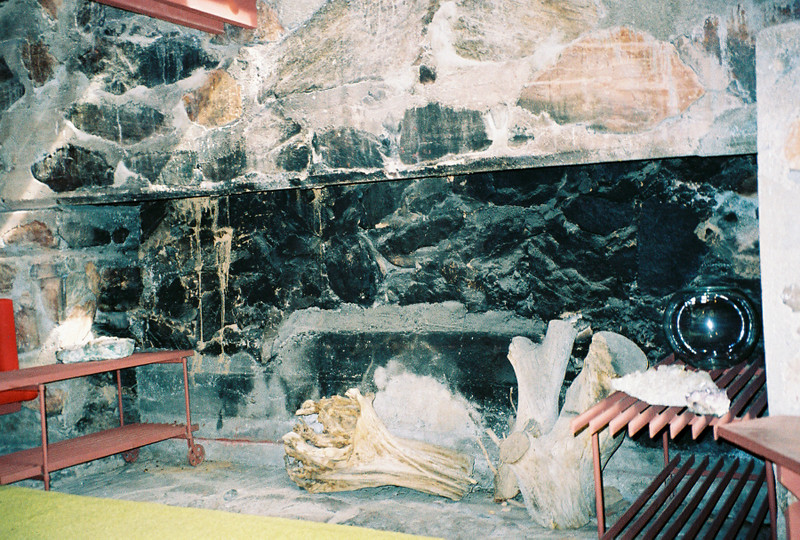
{"points": [[675, 386], [102, 348]]}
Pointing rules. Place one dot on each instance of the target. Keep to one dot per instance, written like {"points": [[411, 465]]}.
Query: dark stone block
{"points": [[669, 252], [211, 309], [126, 124], [179, 169], [169, 60], [148, 165], [93, 226], [598, 215], [234, 391], [226, 167], [608, 241], [151, 216], [125, 65], [79, 235], [434, 131], [11, 90], [427, 74], [120, 288], [424, 232], [520, 188], [349, 149], [173, 299], [72, 167], [293, 157], [166, 334], [352, 272], [120, 234], [741, 48]]}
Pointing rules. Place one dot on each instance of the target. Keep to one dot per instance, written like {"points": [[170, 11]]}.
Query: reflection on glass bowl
{"points": [[711, 327]]}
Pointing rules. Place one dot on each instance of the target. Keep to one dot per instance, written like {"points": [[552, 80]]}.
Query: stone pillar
{"points": [[778, 81], [778, 96]]}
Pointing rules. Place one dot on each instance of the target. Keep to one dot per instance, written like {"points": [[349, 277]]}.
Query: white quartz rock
{"points": [[102, 348], [675, 386]]}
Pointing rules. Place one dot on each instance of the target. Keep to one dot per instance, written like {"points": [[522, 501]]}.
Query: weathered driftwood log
{"points": [[355, 450], [541, 458]]}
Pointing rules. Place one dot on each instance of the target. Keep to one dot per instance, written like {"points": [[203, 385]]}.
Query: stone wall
{"points": [[303, 293], [73, 274], [99, 104], [229, 205], [294, 294]]}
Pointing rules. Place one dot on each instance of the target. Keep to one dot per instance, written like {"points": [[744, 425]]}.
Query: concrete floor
{"points": [[251, 479], [230, 482]]}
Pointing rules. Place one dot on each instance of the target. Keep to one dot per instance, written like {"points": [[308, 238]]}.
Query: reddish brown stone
{"points": [[55, 399], [51, 6], [217, 102], [34, 232], [38, 61], [51, 297], [25, 320], [792, 147], [269, 27], [93, 278], [616, 80]]}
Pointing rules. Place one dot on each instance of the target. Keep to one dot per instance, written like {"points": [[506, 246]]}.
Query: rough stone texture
{"points": [[621, 81], [269, 23], [341, 98], [38, 61], [72, 167], [216, 103], [10, 87], [123, 124], [431, 132], [121, 64], [408, 90], [741, 47], [226, 276], [7, 273], [120, 289], [491, 31], [349, 149], [52, 265], [34, 232]]}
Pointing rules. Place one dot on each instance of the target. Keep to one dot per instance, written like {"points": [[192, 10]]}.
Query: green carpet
{"points": [[32, 514]]}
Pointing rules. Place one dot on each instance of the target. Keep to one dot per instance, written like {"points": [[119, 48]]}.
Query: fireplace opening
{"points": [[411, 290]]}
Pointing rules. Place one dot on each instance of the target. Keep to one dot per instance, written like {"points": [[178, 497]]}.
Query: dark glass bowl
{"points": [[712, 327]]}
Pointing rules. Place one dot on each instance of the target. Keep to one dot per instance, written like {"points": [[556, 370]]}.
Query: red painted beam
{"points": [[206, 15], [236, 12]]}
